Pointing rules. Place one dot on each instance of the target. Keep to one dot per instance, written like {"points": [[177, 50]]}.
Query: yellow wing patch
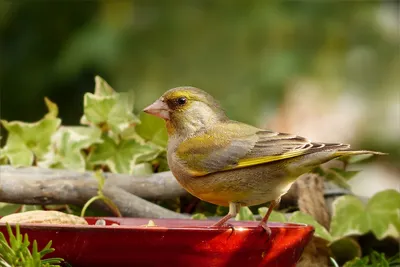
{"points": [[197, 173], [247, 162]]}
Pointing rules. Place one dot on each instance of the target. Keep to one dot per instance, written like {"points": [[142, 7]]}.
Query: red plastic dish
{"points": [[172, 243]]}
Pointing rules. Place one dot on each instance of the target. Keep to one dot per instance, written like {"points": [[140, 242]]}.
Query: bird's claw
{"points": [[224, 225], [265, 227]]}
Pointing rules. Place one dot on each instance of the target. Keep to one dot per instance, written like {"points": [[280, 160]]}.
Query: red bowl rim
{"points": [[238, 225]]}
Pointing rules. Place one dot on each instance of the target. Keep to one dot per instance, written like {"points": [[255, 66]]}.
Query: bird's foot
{"points": [[223, 225], [265, 227]]}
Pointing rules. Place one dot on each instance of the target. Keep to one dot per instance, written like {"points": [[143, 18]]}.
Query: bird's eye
{"points": [[181, 101]]}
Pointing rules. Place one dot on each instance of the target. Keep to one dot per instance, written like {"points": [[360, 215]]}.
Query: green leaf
{"points": [[395, 260], [17, 152], [345, 249], [383, 210], [221, 211], [119, 157], [378, 259], [102, 88], [108, 109], [121, 117], [142, 169], [16, 251], [68, 143], [199, 216], [381, 216], [162, 163], [96, 108], [245, 214], [357, 262], [275, 216], [26, 208], [320, 231], [152, 129], [27, 140], [375, 259], [53, 109], [3, 158], [8, 208], [348, 217], [147, 153]]}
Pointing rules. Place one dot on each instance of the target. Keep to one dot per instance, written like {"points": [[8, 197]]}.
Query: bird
{"points": [[230, 163]]}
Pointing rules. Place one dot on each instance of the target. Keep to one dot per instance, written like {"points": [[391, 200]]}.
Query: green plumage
{"points": [[231, 163]]}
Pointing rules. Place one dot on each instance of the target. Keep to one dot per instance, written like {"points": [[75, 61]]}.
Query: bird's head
{"points": [[187, 110]]}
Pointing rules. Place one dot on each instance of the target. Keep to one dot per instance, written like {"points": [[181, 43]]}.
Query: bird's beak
{"points": [[159, 109]]}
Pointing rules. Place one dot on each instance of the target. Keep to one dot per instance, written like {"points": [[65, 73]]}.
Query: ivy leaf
{"points": [[275, 216], [381, 216], [221, 211], [384, 212], [199, 216], [8, 208], [108, 109], [119, 157], [26, 208], [152, 129], [245, 214], [27, 140], [121, 116], [162, 163], [102, 88], [320, 231], [53, 109], [345, 249], [142, 169], [348, 217], [17, 152], [3, 158], [68, 143], [96, 108], [147, 153]]}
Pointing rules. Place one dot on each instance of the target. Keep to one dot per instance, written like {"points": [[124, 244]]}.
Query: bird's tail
{"points": [[341, 153]]}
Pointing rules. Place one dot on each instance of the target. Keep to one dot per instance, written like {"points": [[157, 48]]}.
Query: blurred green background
{"points": [[266, 61]]}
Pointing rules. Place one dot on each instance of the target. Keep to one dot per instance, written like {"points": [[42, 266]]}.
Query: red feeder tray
{"points": [[171, 243]]}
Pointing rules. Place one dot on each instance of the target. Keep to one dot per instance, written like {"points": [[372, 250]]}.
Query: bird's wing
{"points": [[236, 145]]}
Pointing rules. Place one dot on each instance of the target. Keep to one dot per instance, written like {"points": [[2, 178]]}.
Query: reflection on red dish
{"points": [[171, 243]]}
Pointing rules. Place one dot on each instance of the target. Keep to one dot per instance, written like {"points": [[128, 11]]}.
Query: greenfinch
{"points": [[230, 163]]}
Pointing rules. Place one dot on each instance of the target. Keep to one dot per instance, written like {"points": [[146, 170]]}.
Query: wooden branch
{"points": [[49, 186], [156, 186], [132, 206]]}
